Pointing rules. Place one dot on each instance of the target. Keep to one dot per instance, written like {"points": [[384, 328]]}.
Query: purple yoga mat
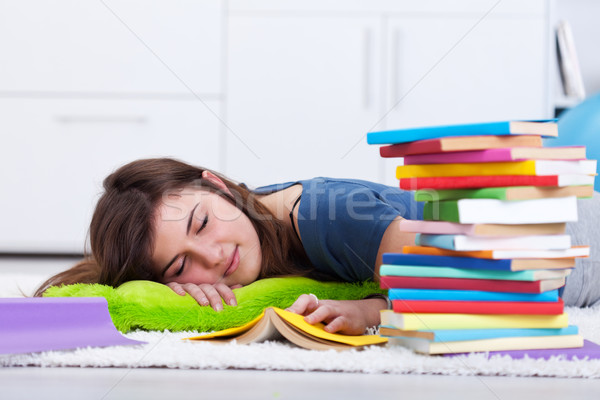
{"points": [[56, 323], [590, 350]]}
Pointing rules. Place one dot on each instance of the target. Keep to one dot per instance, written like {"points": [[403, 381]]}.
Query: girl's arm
{"points": [[352, 317]]}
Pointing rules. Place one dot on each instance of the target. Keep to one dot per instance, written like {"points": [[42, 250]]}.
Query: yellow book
{"points": [[529, 167], [426, 321], [497, 344], [275, 324]]}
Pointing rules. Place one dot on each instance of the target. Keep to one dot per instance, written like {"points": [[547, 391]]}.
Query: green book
{"points": [[494, 211], [505, 193]]}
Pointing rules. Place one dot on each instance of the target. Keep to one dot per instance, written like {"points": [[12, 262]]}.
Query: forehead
{"points": [[178, 204]]}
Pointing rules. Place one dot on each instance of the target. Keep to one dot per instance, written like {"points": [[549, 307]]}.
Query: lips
{"points": [[234, 262]]}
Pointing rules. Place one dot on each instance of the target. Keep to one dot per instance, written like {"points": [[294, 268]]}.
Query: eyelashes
{"points": [[180, 270], [202, 226]]}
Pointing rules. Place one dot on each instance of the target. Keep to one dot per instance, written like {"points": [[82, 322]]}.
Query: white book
{"points": [[577, 251], [556, 167], [574, 180], [474, 243], [536, 211], [495, 344]]}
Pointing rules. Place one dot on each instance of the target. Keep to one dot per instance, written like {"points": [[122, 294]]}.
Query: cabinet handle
{"points": [[101, 119], [395, 68], [367, 60]]}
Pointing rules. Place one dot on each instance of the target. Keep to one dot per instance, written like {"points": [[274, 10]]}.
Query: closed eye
{"points": [[180, 270], [204, 222]]}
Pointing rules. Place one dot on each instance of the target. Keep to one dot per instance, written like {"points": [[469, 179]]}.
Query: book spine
{"points": [[441, 211], [470, 295], [479, 307], [452, 335], [422, 321], [465, 169], [491, 211], [494, 344], [479, 129], [451, 272], [491, 285], [473, 243], [528, 167], [475, 182], [499, 193], [446, 261], [575, 251], [489, 155]]}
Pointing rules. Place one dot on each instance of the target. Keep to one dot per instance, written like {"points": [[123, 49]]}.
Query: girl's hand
{"points": [[349, 317], [206, 294]]}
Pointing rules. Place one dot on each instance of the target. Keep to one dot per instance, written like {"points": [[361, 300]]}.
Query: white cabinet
{"points": [[461, 68], [86, 86], [262, 90], [302, 93], [113, 46], [307, 80], [55, 155]]}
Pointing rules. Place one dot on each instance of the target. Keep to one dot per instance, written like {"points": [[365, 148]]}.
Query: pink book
{"points": [[453, 228], [503, 154]]}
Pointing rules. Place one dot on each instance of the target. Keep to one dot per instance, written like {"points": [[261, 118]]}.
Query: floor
{"points": [[22, 275], [113, 383]]}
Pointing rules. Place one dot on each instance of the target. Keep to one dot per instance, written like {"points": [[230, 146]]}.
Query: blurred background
{"points": [[263, 91]]}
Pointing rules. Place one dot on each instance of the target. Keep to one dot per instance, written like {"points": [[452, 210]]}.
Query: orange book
{"points": [[576, 251]]}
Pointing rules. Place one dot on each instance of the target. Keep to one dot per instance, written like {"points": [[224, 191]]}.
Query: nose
{"points": [[209, 254]]}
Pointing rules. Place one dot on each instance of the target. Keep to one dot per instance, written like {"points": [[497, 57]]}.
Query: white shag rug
{"points": [[166, 349]]}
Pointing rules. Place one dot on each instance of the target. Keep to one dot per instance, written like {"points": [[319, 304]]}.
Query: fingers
{"points": [[321, 314], [226, 294], [304, 304], [206, 294], [338, 316], [176, 287]]}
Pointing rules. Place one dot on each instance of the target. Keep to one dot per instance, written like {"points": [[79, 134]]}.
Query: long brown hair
{"points": [[122, 235]]}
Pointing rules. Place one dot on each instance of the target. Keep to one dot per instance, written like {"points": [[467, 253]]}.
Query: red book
{"points": [[478, 307], [472, 182], [459, 143], [489, 285]]}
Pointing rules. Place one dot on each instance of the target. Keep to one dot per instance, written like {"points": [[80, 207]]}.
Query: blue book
{"points": [[454, 335], [463, 273], [547, 128], [476, 263], [470, 295]]}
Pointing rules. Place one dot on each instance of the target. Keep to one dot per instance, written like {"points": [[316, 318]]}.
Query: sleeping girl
{"points": [[202, 234]]}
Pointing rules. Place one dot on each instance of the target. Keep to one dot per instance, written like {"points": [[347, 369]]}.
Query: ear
{"points": [[215, 180]]}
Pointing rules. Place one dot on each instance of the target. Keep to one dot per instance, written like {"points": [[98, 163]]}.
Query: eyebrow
{"points": [[187, 232]]}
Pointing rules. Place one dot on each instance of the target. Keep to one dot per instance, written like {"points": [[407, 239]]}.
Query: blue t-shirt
{"points": [[342, 221]]}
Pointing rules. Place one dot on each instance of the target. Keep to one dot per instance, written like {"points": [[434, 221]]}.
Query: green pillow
{"points": [[149, 305]]}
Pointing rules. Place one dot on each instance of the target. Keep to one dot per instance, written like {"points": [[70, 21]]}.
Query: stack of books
{"points": [[491, 254]]}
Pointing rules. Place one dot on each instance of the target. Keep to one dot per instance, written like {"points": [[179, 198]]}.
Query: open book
{"points": [[276, 324]]}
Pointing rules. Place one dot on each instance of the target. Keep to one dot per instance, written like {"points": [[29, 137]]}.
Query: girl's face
{"points": [[202, 238]]}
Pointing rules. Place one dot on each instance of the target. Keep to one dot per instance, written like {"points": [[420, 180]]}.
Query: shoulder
{"points": [[353, 198]]}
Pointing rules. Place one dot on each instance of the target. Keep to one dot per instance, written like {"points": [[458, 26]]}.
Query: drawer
{"points": [[123, 46], [55, 154]]}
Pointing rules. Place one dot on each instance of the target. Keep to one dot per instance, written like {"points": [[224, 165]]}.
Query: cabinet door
{"points": [[302, 93], [112, 46], [457, 68], [55, 154], [460, 69]]}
